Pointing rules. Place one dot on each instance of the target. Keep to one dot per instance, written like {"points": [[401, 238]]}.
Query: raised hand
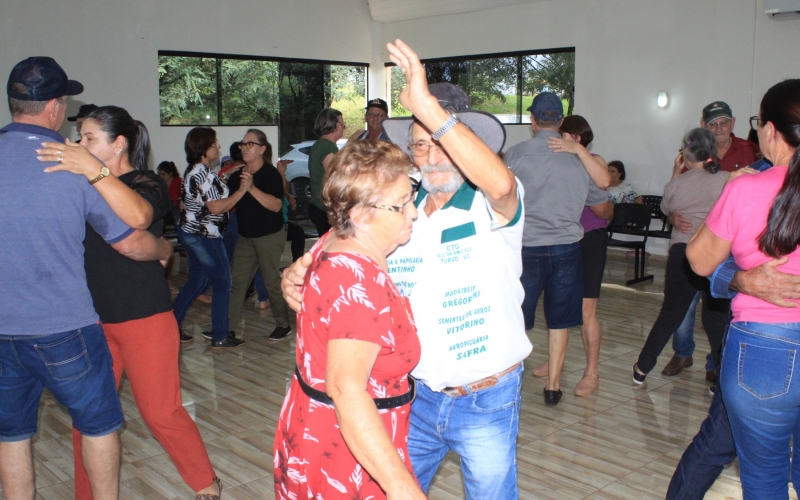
{"points": [[415, 97]]}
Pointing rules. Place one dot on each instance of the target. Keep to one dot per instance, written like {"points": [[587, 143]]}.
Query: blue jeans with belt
{"points": [[761, 390], [207, 263], [481, 427]]}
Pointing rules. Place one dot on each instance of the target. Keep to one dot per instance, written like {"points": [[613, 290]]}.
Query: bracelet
{"points": [[450, 123]]}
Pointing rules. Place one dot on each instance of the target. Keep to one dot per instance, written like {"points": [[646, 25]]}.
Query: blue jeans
{"points": [[761, 391], [207, 264], [711, 449], [481, 427], [556, 270], [75, 366], [683, 339]]}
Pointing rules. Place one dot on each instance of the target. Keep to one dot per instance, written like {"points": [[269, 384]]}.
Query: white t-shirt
{"points": [[461, 271]]}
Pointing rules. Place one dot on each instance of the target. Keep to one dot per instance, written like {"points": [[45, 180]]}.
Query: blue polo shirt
{"points": [[42, 279]]}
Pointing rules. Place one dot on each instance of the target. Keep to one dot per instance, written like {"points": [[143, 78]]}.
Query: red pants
{"points": [[147, 351]]}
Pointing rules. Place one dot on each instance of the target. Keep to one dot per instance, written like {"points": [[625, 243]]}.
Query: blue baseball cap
{"points": [[548, 106], [43, 78]]}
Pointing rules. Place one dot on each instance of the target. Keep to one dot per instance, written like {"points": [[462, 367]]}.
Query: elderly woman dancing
{"points": [[344, 423]]}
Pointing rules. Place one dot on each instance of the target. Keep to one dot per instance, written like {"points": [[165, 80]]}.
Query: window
{"points": [[501, 84], [212, 89]]}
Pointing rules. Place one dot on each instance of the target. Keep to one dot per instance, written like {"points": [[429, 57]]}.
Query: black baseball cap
{"points": [[83, 112], [378, 103], [43, 78]]}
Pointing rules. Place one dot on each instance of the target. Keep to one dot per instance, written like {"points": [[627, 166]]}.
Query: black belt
{"points": [[381, 403]]}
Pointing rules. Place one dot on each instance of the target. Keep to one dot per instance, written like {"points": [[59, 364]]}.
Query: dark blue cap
{"points": [[43, 78], [548, 106]]}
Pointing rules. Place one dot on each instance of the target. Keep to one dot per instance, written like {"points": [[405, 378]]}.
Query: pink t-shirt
{"points": [[740, 216]]}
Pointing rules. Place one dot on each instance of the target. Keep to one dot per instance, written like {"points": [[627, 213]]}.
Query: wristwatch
{"points": [[104, 172], [450, 123]]}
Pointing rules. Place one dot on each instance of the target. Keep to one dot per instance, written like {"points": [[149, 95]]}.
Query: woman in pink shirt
{"points": [[756, 220]]}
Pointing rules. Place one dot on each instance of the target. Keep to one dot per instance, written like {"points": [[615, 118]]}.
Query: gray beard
{"points": [[451, 186]]}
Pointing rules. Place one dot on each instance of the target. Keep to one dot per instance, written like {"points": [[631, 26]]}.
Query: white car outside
{"points": [[297, 175]]}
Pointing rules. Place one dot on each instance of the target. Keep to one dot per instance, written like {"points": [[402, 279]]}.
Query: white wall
{"points": [[111, 46], [627, 51]]}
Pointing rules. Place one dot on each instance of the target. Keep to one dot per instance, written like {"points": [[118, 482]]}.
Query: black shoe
{"points": [[185, 337], [551, 398], [280, 332], [208, 335], [227, 343], [638, 378]]}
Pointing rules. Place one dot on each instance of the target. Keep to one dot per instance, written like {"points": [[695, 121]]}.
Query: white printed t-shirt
{"points": [[461, 272]]}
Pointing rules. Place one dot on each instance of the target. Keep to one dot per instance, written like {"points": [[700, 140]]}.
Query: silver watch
{"points": [[450, 123]]}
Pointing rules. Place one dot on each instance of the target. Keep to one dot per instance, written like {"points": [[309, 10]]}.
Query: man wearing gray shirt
{"points": [[557, 187]]}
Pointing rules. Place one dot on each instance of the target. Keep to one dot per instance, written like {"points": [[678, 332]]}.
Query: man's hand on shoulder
{"points": [[293, 279], [767, 283]]}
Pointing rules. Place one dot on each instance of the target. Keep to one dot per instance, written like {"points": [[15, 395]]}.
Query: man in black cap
{"points": [[377, 111], [57, 344], [83, 112]]}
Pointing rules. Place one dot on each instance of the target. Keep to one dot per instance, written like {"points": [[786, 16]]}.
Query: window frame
{"points": [[242, 57], [518, 54]]}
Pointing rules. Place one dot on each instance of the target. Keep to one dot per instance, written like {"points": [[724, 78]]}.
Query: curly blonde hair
{"points": [[357, 177]]}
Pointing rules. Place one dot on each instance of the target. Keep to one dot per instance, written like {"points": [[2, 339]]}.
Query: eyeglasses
{"points": [[373, 116], [756, 122], [248, 145], [422, 148], [401, 208], [719, 124]]}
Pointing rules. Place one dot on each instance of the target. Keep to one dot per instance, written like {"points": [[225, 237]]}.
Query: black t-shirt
{"points": [[123, 289], [253, 218]]}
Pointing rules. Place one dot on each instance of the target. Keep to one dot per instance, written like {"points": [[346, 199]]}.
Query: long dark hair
{"points": [[197, 142], [168, 167], [781, 107], [116, 122]]}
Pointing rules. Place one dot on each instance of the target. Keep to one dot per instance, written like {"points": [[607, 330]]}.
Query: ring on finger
{"points": [[60, 156]]}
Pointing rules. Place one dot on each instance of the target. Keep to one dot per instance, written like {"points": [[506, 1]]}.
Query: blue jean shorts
{"points": [[556, 270], [75, 366]]}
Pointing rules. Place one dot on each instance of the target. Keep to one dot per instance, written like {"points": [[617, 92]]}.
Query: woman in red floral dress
{"points": [[343, 426]]}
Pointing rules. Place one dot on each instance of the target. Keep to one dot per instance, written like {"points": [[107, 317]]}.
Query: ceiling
{"points": [[389, 11]]}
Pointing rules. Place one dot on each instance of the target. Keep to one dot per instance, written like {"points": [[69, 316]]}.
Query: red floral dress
{"points": [[346, 296]]}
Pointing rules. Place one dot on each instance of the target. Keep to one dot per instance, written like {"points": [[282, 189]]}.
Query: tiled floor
{"points": [[622, 442]]}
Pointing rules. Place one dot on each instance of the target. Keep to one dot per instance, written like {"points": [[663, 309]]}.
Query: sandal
{"points": [[209, 496]]}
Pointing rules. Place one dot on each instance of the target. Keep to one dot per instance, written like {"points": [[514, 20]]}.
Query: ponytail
{"points": [[115, 122]]}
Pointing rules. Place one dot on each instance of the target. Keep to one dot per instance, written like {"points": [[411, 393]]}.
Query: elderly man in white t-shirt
{"points": [[461, 272]]}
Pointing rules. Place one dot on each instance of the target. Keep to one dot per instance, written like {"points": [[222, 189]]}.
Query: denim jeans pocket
{"points": [[498, 398], [765, 372], [65, 359], [568, 273]]}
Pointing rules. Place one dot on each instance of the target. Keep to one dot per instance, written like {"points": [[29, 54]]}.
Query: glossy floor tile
{"points": [[622, 442]]}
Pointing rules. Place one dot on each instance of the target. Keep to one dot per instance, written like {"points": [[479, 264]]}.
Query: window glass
{"points": [[249, 92], [187, 90], [503, 85], [549, 72], [348, 95]]}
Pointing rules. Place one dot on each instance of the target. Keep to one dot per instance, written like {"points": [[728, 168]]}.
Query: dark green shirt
{"points": [[316, 172]]}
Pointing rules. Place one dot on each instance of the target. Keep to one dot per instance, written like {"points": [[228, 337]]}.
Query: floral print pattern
{"points": [[346, 296]]}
